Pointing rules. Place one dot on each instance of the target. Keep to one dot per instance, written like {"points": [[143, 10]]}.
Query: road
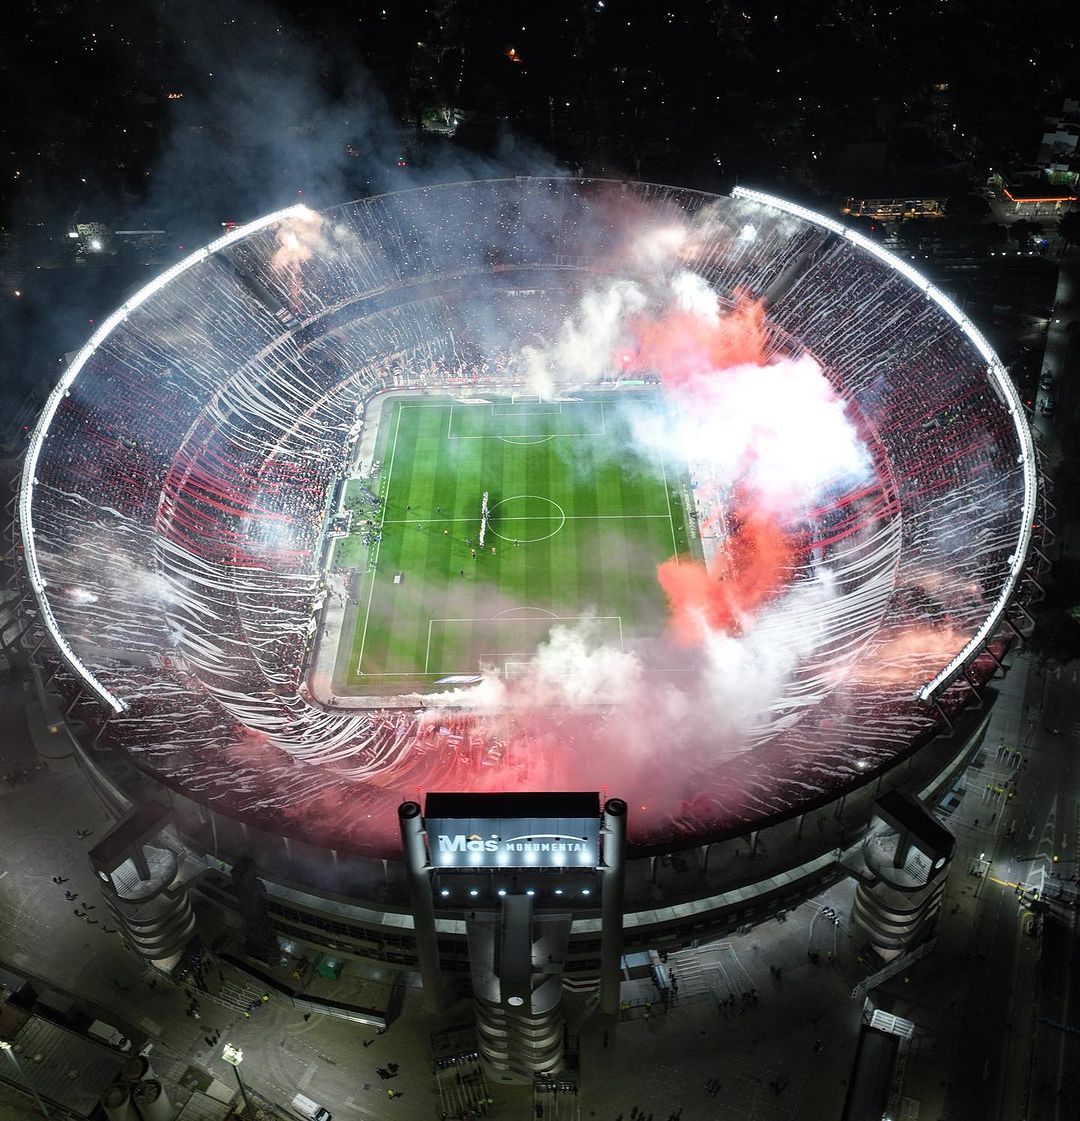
{"points": [[1052, 378], [1005, 1056]]}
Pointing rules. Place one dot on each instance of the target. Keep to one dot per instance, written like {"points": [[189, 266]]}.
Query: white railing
{"points": [[41, 431], [1005, 390]]}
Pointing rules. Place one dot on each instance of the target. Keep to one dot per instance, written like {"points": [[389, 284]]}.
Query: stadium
{"points": [[531, 484]]}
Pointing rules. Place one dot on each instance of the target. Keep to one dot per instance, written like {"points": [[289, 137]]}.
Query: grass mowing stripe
{"points": [[538, 572], [601, 557]]}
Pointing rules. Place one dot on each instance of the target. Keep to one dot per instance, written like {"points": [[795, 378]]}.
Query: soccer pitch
{"points": [[577, 525]]}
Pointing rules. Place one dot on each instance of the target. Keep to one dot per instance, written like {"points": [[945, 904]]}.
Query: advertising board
{"points": [[478, 832]]}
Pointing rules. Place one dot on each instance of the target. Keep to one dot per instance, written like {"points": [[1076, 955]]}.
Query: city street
{"points": [[1018, 810], [980, 998]]}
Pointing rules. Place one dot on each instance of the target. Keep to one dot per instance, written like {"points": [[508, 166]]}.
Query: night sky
{"points": [[700, 92], [179, 115]]}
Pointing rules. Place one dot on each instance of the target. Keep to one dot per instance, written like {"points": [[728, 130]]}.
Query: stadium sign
{"points": [[535, 841]]}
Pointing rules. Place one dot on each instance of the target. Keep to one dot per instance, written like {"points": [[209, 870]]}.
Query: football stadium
{"points": [[531, 484], [431, 531]]}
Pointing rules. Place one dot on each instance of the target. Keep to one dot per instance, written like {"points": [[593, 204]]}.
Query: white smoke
{"points": [[691, 292], [586, 341], [573, 668], [779, 431]]}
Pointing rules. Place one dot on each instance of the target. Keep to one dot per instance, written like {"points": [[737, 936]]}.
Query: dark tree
{"points": [[1024, 233], [1069, 227], [916, 232], [1056, 637]]}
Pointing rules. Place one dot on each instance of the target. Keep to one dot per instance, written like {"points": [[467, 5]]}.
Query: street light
{"points": [[6, 1046], [234, 1057]]}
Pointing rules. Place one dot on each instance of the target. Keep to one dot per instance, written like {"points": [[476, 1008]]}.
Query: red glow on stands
{"points": [[904, 658], [689, 350], [684, 346], [754, 568]]}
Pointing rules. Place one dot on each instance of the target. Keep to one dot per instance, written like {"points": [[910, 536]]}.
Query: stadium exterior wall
{"points": [[357, 907]]}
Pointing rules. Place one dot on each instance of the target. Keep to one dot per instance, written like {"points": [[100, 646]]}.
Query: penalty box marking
{"points": [[546, 622], [450, 434], [523, 409]]}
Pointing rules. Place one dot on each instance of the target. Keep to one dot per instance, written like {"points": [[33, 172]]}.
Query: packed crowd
{"points": [[187, 477]]}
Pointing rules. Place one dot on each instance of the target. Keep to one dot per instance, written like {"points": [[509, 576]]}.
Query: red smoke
{"points": [[908, 657], [754, 567], [683, 346]]}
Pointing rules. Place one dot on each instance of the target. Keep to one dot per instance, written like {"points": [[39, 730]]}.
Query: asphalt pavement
{"points": [[994, 1006]]}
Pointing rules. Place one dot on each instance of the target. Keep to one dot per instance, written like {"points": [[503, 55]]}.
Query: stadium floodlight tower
{"points": [[518, 866]]}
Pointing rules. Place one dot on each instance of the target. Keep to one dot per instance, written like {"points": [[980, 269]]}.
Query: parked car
{"points": [[309, 1110], [110, 1035]]}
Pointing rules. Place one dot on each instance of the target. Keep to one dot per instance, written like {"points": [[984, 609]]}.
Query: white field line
{"points": [[378, 544], [671, 519]]}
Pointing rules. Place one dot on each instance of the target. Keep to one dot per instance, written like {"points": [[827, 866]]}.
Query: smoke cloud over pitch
{"points": [[765, 443], [764, 440]]}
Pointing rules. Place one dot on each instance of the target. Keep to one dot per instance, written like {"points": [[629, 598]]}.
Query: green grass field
{"points": [[577, 526]]}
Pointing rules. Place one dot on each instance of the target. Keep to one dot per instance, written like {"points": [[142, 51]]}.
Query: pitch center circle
{"points": [[516, 517]]}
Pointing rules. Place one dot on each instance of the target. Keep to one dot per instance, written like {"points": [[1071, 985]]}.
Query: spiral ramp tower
{"points": [[145, 880], [906, 859], [516, 957]]}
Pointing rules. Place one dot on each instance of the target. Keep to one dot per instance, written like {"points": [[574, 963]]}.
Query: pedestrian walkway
{"points": [[713, 970], [239, 996]]}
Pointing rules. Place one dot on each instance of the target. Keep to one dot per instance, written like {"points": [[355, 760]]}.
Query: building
{"points": [[173, 645]]}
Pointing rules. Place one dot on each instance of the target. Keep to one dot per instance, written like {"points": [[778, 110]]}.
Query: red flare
{"points": [[684, 346], [752, 570]]}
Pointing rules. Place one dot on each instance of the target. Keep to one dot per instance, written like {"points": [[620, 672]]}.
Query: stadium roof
{"points": [[65, 1067]]}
